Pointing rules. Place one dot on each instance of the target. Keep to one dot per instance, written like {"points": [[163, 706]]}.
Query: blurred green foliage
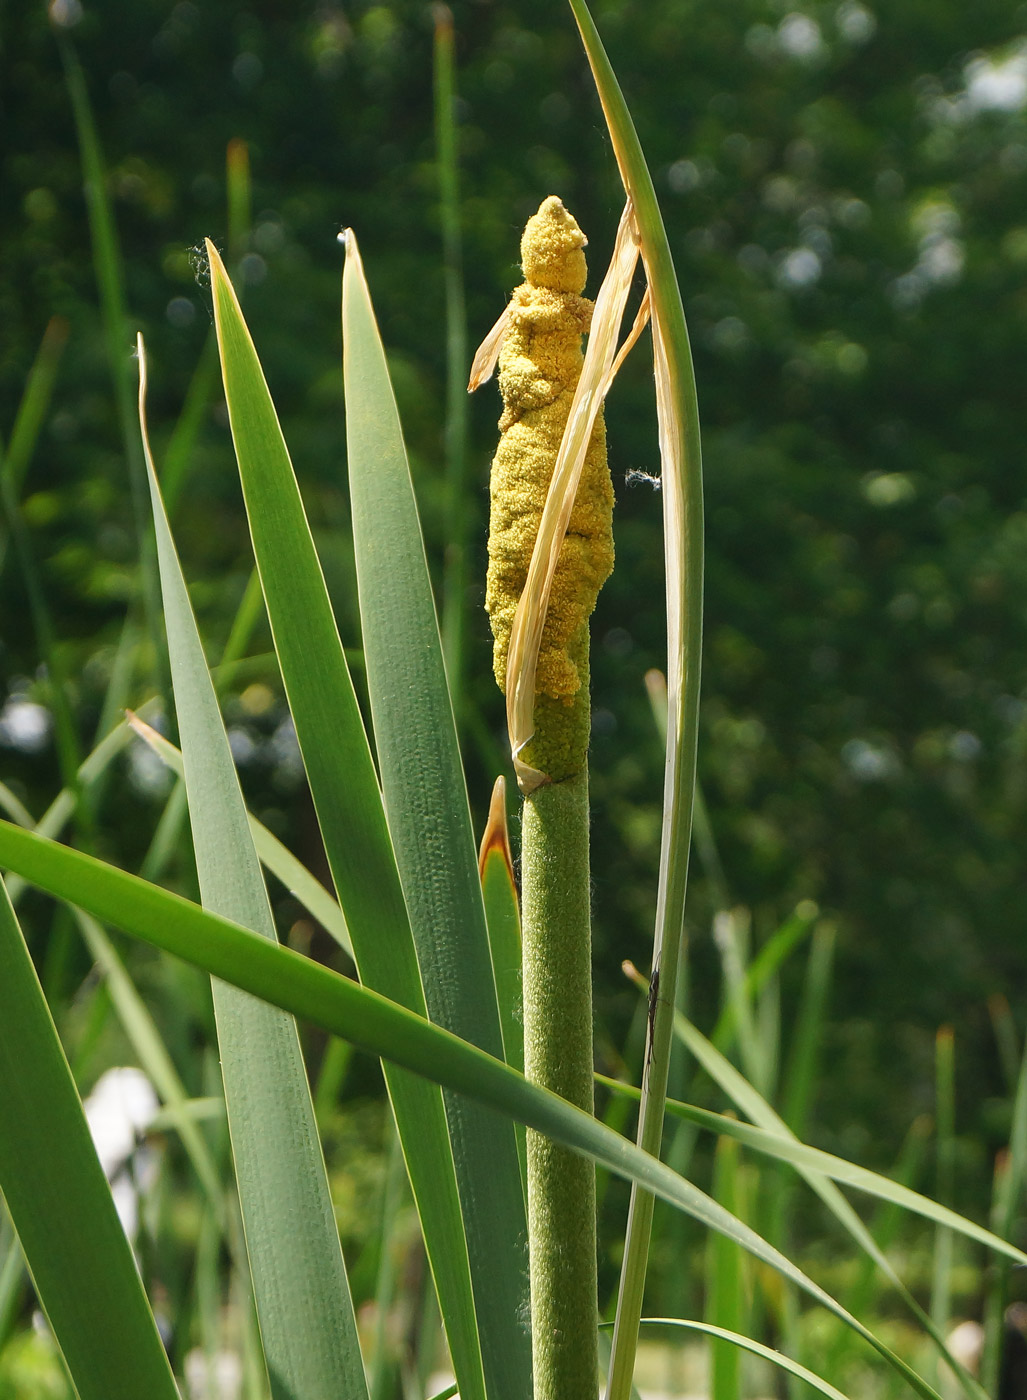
{"points": [[844, 185]]}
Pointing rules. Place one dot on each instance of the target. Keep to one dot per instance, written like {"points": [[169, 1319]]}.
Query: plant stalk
{"points": [[558, 1056]]}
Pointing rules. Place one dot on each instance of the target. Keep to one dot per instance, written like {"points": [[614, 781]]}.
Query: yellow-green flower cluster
{"points": [[539, 365]]}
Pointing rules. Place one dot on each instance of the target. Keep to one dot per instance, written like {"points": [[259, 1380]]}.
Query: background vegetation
{"points": [[844, 189]]}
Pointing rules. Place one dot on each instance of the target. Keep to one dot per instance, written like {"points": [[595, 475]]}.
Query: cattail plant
{"points": [[432, 932], [538, 340]]}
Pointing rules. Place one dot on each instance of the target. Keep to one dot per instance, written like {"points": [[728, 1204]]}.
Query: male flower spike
{"points": [[539, 364]]}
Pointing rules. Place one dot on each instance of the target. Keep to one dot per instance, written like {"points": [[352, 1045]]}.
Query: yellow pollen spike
{"points": [[539, 365]]}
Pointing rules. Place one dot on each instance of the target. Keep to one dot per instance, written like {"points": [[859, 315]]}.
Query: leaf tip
{"points": [[496, 838], [214, 259], [486, 356], [140, 727], [140, 354], [632, 973]]}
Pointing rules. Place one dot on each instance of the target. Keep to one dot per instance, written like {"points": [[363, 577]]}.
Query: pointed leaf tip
{"points": [[496, 838]]}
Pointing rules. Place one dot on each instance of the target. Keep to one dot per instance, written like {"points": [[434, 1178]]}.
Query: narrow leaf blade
{"points": [[81, 1263], [682, 494], [412, 713], [307, 1325], [344, 787]]}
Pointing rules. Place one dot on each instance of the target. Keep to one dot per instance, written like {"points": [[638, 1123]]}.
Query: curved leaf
{"points": [[367, 1019], [776, 1358], [797, 1154]]}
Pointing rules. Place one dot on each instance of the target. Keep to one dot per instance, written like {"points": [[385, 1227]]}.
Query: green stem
{"points": [[558, 1055]]}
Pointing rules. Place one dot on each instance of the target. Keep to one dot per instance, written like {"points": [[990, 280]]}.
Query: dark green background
{"points": [[864, 733]]}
